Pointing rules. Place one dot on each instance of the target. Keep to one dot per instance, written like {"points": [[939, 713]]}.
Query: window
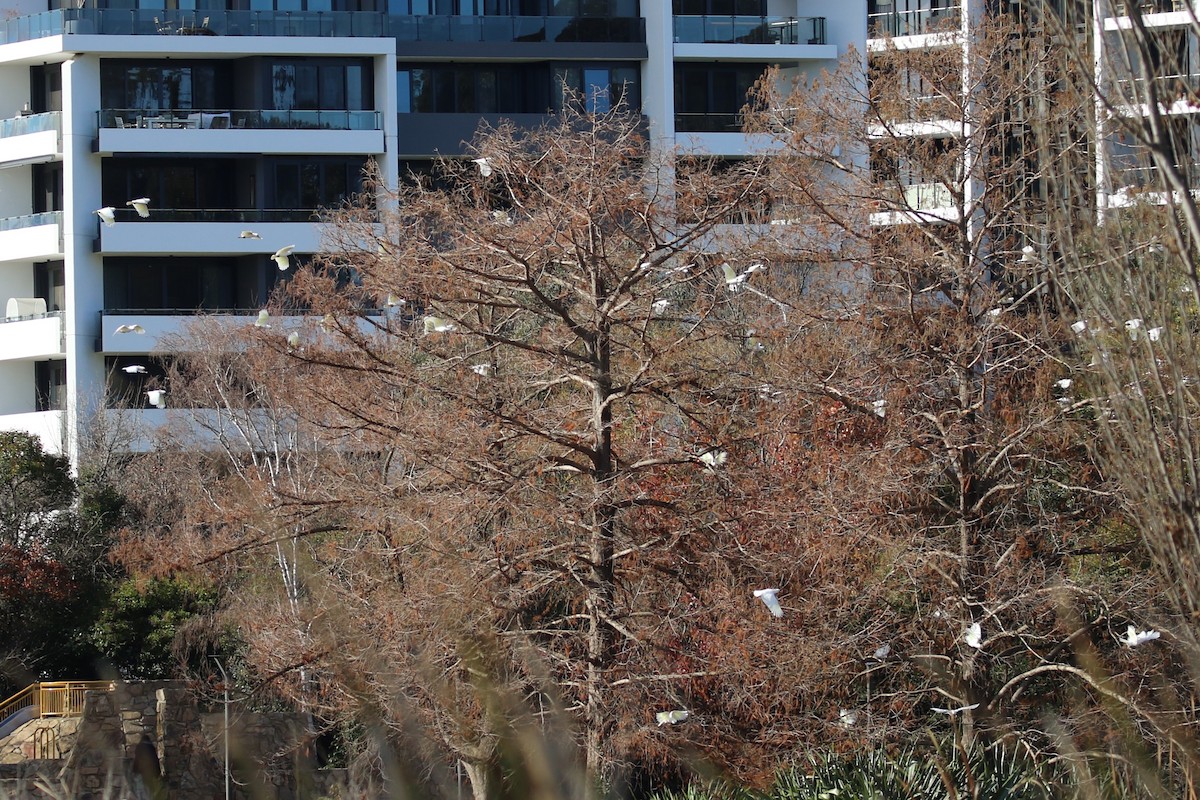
{"points": [[473, 89], [181, 183], [50, 284], [185, 285], [155, 85], [710, 97], [314, 182], [601, 86], [321, 84], [50, 378]]}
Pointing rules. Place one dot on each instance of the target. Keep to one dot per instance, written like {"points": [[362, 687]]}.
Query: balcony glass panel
{"points": [[749, 30], [31, 220], [31, 123], [238, 119], [911, 23]]}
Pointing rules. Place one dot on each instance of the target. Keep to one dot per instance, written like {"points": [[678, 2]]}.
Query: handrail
{"points": [[51, 699]]}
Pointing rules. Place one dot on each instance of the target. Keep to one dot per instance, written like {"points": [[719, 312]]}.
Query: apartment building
{"points": [[237, 116]]}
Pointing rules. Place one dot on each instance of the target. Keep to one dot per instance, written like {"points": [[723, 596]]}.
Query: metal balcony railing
{"points": [[31, 123], [749, 30], [219, 22], [238, 119], [911, 23], [50, 699]]}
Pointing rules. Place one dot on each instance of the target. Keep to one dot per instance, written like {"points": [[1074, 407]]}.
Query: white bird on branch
{"points": [[485, 166], [438, 325], [1154, 334], [482, 370], [1133, 637], [264, 319], [293, 339], [880, 408], [672, 717], [848, 718], [1079, 326], [713, 459], [157, 397], [134, 369], [882, 652], [952, 711], [281, 257], [770, 598], [394, 300], [108, 215], [1063, 383], [141, 205], [974, 636], [130, 327], [1132, 326], [659, 307]]}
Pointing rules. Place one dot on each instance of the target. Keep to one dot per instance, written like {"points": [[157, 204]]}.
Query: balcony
{"points": [[414, 30], [238, 119], [161, 325], [31, 236], [239, 131], [211, 231], [31, 138], [914, 23], [749, 30], [734, 38], [32, 336]]}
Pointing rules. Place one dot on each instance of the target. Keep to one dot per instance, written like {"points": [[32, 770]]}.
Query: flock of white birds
{"points": [[281, 257], [712, 459]]}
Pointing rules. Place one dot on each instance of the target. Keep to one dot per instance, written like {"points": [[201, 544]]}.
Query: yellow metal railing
{"points": [[51, 698]]}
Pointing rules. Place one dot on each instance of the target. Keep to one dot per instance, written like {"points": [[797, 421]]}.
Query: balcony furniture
{"points": [[24, 307]]}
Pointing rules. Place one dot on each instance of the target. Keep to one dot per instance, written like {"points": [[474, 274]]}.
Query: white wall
{"points": [[14, 89], [17, 391]]}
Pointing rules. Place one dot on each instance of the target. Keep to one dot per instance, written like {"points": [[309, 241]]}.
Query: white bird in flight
{"points": [[952, 711], [734, 281], [108, 215], [1154, 334], [134, 369], [281, 256], [438, 325], [770, 598], [482, 370], [130, 327], [141, 205], [248, 235], [1132, 326], [264, 319], [484, 164], [1133, 637], [714, 458], [974, 636], [659, 307], [157, 397], [672, 717]]}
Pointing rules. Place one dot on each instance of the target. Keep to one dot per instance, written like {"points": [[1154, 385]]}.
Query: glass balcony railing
{"points": [[31, 220], [708, 122], [238, 119], [217, 22], [749, 30], [31, 123], [911, 23], [446, 28]]}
